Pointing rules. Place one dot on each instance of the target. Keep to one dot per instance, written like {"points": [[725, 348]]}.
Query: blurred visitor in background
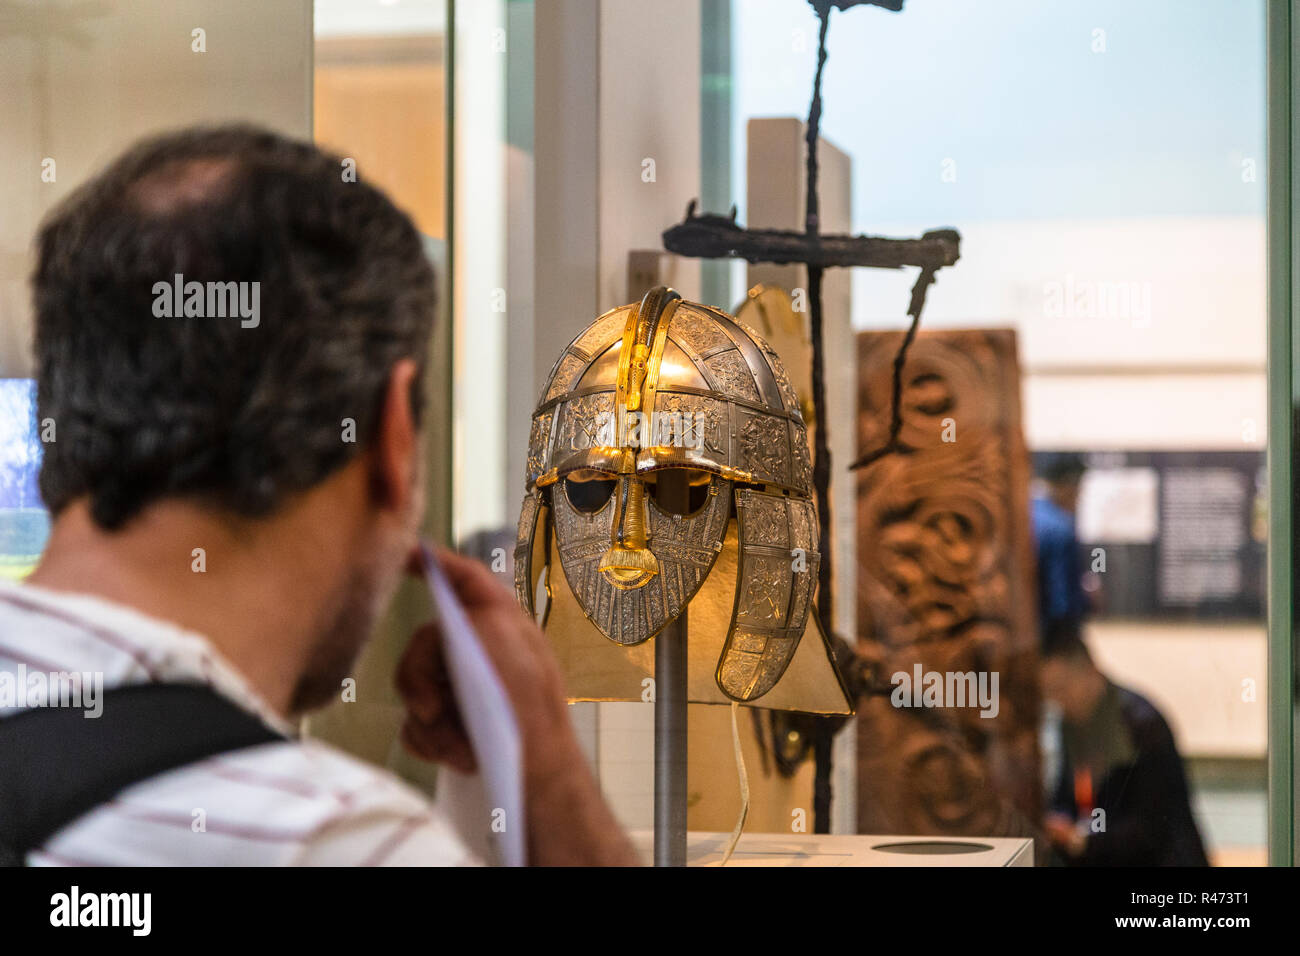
{"points": [[1120, 797], [1062, 602]]}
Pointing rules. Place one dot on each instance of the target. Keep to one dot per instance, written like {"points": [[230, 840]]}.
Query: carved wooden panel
{"points": [[945, 581]]}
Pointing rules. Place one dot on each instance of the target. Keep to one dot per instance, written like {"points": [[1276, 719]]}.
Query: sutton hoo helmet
{"points": [[659, 424]]}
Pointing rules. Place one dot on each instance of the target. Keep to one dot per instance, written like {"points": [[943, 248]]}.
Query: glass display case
{"points": [[977, 474], [1108, 313]]}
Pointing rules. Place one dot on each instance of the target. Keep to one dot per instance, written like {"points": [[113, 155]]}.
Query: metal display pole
{"points": [[670, 744]]}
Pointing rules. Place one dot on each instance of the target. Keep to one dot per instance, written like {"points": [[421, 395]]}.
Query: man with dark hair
{"points": [[230, 340], [1121, 795]]}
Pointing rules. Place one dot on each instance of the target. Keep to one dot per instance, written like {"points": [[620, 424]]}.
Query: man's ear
{"points": [[396, 443]]}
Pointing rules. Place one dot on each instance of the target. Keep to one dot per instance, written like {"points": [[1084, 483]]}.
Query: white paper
{"points": [[489, 721]]}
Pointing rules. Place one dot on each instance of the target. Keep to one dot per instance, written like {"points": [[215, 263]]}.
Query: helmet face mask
{"points": [[659, 423], [632, 566]]}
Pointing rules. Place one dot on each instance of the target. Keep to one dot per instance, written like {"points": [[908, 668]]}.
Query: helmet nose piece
{"points": [[628, 562]]}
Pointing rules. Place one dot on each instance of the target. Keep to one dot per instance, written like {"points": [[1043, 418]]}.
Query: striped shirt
{"points": [[297, 802]]}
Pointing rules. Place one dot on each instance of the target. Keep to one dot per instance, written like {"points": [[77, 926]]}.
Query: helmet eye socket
{"points": [[589, 491], [697, 491]]}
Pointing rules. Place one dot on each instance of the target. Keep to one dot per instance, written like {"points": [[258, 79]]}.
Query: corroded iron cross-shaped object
{"points": [[720, 237]]}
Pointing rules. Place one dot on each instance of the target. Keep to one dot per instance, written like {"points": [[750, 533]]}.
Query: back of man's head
{"points": [[211, 311]]}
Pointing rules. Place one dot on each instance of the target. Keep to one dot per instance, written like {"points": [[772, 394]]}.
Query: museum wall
{"points": [[85, 80]]}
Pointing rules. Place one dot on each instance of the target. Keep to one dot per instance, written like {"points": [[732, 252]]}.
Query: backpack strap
{"points": [[56, 764]]}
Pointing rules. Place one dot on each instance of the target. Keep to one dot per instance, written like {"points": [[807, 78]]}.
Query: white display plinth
{"points": [[815, 849]]}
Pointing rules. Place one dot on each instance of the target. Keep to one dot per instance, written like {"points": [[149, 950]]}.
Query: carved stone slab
{"points": [[945, 581]]}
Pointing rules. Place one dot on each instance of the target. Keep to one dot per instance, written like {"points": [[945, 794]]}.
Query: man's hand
{"points": [[569, 822], [522, 659]]}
